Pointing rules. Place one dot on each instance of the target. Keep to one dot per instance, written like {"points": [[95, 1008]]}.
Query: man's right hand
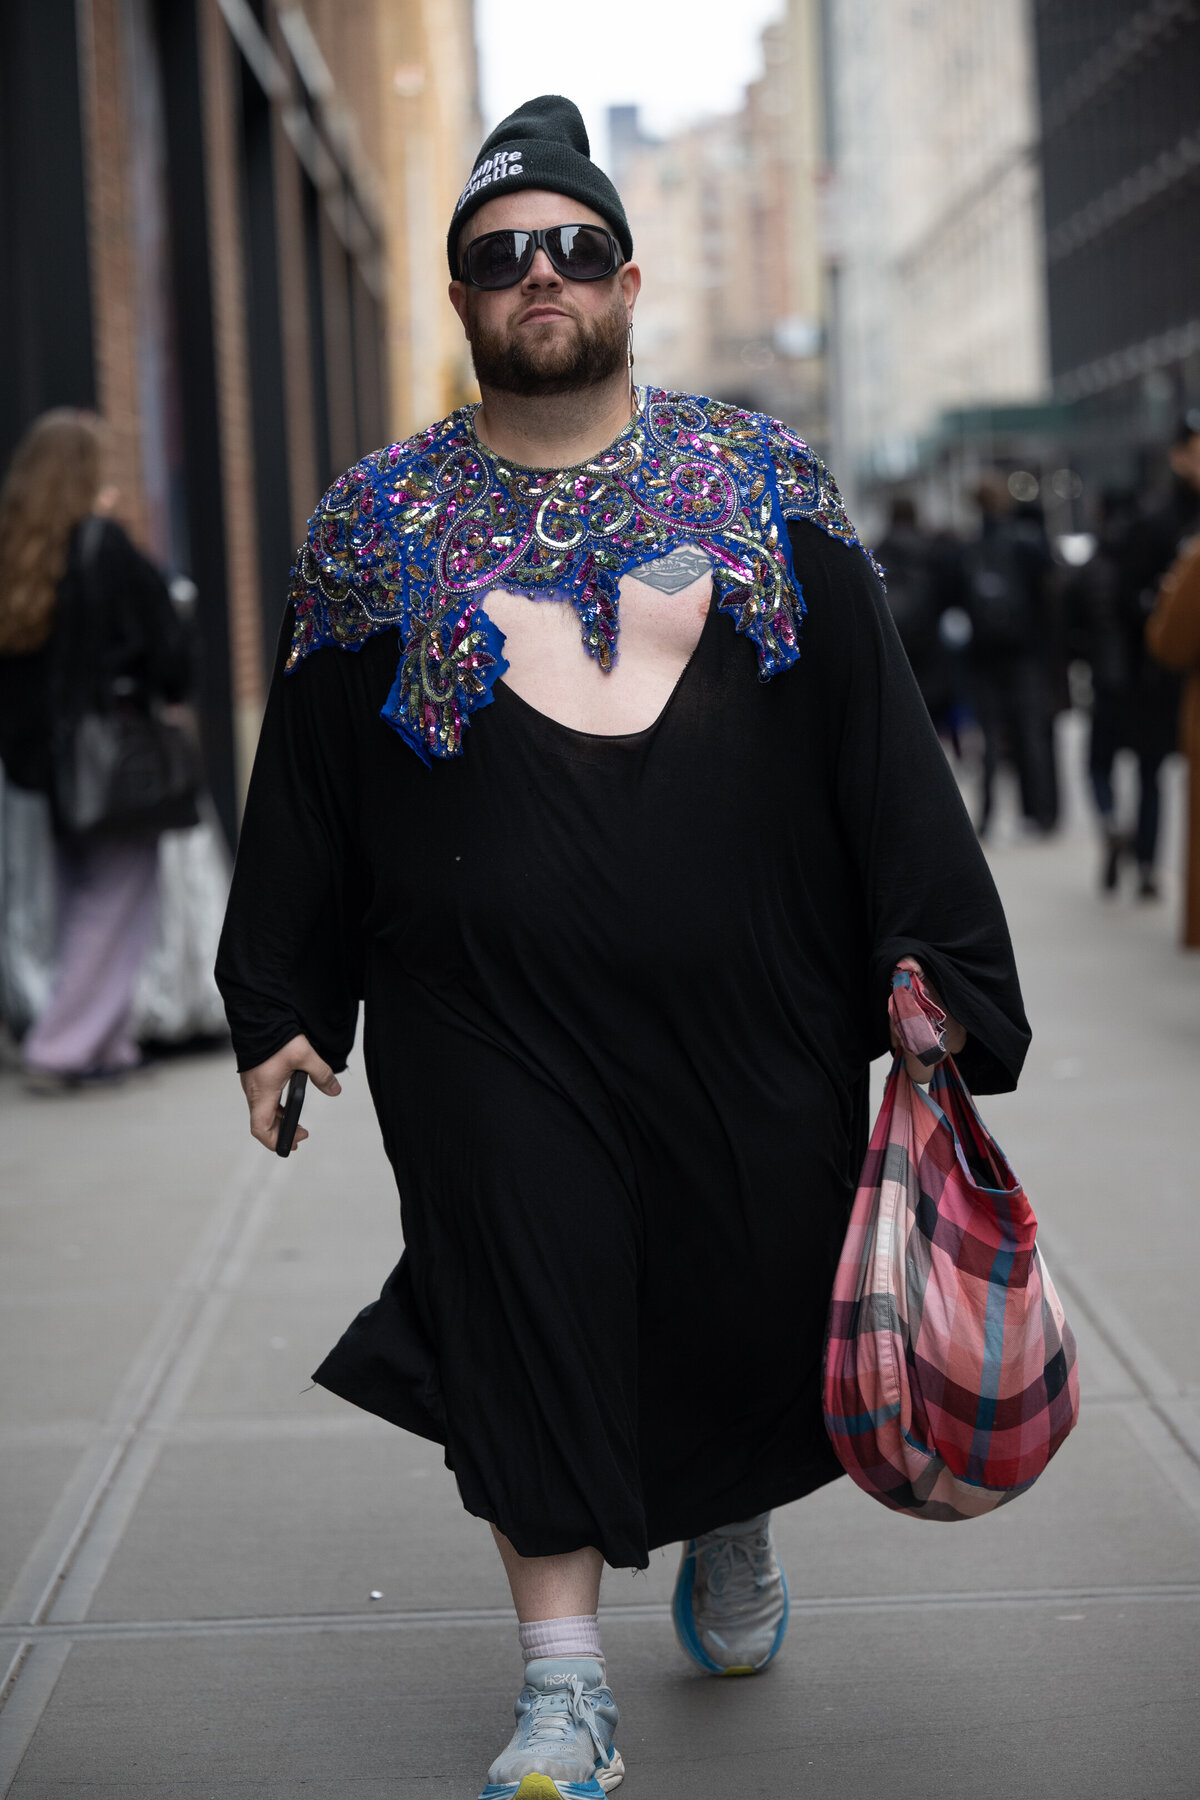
{"points": [[263, 1087]]}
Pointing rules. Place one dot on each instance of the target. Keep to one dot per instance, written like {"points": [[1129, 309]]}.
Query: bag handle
{"points": [[918, 1023]]}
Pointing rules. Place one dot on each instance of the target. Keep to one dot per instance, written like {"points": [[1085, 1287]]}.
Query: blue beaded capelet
{"points": [[414, 537]]}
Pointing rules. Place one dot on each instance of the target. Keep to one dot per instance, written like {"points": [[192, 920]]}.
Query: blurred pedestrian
{"points": [[1006, 578], [86, 629], [1173, 637], [1100, 635], [919, 589], [625, 927], [1144, 714]]}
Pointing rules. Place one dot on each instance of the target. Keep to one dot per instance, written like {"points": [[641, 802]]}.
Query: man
{"points": [[921, 576], [624, 925], [1006, 575]]}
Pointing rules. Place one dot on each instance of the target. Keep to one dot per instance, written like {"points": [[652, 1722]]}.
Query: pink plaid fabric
{"points": [[950, 1371]]}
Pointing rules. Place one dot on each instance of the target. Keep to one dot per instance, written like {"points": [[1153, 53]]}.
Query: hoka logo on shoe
{"points": [[557, 1679]]}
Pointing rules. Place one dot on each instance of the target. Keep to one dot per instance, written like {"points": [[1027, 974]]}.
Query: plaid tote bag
{"points": [[950, 1377]]}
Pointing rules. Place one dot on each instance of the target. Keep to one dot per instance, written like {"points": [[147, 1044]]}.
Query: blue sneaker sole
{"points": [[684, 1622], [541, 1787], [544, 1787]]}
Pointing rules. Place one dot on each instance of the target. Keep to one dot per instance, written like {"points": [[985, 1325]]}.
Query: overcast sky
{"points": [[679, 60]]}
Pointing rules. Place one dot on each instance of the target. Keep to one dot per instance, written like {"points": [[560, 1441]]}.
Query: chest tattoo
{"points": [[677, 570]]}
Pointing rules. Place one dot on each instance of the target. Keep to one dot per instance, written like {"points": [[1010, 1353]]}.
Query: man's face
{"points": [[1185, 460], [545, 335]]}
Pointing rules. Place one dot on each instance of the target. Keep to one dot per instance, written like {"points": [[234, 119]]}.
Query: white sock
{"points": [[578, 1636], [746, 1527]]}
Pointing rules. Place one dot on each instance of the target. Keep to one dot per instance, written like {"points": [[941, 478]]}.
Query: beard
{"points": [[548, 360]]}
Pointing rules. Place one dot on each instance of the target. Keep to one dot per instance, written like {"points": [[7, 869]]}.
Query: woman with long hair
{"points": [[85, 620]]}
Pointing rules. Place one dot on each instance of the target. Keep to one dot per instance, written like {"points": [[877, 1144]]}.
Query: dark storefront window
{"points": [[45, 286], [260, 252], [314, 292], [164, 475], [188, 250]]}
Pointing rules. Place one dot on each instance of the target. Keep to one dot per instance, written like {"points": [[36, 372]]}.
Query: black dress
{"points": [[621, 995]]}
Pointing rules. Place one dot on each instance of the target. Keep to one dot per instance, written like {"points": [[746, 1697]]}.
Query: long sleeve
{"points": [[927, 887], [290, 954], [1173, 628]]}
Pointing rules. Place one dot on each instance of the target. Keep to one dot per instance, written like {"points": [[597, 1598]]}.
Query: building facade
{"points": [[724, 220], [933, 235], [1119, 90], [216, 241]]}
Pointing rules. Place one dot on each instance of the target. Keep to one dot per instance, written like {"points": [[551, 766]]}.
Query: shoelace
{"points": [[736, 1570], [553, 1717]]}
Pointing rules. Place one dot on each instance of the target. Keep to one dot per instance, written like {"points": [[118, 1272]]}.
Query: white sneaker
{"points": [[730, 1607], [563, 1746]]}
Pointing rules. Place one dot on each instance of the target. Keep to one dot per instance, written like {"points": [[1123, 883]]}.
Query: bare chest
{"points": [[663, 607]]}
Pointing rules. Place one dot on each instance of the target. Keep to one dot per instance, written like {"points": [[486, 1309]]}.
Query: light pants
{"points": [[107, 893]]}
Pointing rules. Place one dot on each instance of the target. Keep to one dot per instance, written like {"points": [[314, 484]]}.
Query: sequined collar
{"points": [[415, 536], [469, 414]]}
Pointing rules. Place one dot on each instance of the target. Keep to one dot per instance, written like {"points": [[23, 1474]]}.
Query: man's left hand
{"points": [[956, 1035]]}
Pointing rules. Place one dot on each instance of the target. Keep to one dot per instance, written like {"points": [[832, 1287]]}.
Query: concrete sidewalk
{"points": [[192, 1537]]}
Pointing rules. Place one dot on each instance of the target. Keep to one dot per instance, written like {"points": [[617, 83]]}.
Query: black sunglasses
{"points": [[499, 259]]}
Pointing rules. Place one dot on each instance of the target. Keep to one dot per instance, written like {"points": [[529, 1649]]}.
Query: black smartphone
{"points": [[291, 1113]]}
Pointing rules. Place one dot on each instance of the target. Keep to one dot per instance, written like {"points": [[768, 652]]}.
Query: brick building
{"points": [[224, 223]]}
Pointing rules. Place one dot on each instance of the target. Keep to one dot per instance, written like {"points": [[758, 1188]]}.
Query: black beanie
{"points": [[544, 144]]}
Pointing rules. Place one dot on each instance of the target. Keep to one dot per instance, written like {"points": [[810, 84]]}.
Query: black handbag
{"points": [[119, 767], [124, 772]]}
